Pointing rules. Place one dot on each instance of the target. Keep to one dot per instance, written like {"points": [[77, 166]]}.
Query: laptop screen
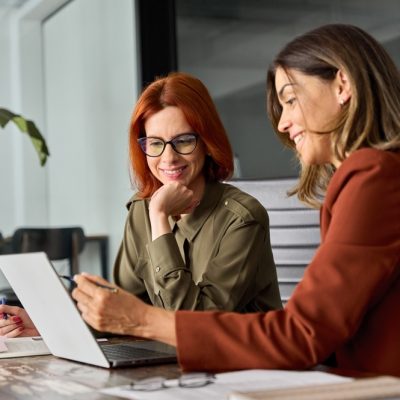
{"points": [[56, 316]]}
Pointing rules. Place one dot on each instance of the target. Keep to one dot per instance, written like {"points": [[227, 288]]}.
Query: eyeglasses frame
{"points": [[159, 382], [171, 142]]}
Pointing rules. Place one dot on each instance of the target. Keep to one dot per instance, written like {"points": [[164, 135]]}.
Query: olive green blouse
{"points": [[218, 257]]}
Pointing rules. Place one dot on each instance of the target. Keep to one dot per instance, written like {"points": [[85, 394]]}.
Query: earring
{"points": [[341, 102]]}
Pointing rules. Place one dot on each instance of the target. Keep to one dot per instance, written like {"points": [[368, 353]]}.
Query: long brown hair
{"points": [[193, 99], [371, 118]]}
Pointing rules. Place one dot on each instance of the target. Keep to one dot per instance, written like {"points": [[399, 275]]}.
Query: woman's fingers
{"points": [[104, 310], [11, 327], [173, 199], [13, 310], [93, 278], [15, 332]]}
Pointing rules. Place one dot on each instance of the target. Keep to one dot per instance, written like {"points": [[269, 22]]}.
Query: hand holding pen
{"points": [[114, 311], [106, 287], [3, 301], [17, 323]]}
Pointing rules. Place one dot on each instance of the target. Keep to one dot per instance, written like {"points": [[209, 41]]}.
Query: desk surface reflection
{"points": [[49, 377]]}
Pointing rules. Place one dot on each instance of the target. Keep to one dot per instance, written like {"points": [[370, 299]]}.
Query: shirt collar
{"points": [[192, 223]]}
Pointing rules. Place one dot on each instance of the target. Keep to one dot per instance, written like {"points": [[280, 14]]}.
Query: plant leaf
{"points": [[28, 127]]}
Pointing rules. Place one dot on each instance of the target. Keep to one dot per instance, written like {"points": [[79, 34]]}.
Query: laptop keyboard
{"points": [[125, 351]]}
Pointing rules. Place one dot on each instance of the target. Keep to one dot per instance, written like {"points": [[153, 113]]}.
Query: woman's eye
{"points": [[291, 101], [183, 141], [155, 144]]}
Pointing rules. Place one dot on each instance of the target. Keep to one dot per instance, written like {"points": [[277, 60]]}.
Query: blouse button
{"points": [[226, 202], [158, 269]]}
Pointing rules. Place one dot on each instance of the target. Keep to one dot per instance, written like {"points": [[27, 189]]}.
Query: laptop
{"points": [[55, 315]]}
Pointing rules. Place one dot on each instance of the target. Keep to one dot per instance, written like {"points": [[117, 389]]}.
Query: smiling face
{"points": [[310, 108], [171, 166]]}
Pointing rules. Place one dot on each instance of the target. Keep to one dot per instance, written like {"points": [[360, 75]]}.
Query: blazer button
{"points": [[158, 269]]}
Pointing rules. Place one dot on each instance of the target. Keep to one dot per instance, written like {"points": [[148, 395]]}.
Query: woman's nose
{"points": [[169, 153], [283, 124]]}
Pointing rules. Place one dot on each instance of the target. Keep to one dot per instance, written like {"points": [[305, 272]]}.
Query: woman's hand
{"points": [[121, 312], [17, 323], [171, 199]]}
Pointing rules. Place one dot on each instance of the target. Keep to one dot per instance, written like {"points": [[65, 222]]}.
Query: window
{"points": [[228, 44]]}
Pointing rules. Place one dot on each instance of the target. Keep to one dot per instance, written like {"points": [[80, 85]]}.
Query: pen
{"points": [[3, 301], [109, 288]]}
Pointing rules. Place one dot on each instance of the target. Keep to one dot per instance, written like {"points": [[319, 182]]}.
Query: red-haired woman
{"points": [[190, 241]]}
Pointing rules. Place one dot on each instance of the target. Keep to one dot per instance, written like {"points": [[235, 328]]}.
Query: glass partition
{"points": [[228, 44]]}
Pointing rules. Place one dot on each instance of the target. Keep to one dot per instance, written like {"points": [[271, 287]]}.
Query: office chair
{"points": [[4, 244], [294, 229], [57, 243]]}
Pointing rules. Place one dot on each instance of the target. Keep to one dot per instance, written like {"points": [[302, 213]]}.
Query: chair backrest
{"points": [[57, 243], [294, 228], [5, 245]]}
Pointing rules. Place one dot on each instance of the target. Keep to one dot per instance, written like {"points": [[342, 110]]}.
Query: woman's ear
{"points": [[343, 87]]}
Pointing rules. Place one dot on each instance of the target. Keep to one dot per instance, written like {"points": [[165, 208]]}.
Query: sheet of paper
{"points": [[249, 380], [3, 346], [24, 346], [381, 387]]}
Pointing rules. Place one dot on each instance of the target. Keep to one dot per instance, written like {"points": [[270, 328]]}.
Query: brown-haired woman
{"points": [[334, 97]]}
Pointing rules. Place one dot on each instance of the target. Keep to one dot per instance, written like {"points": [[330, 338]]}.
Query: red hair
{"points": [[192, 98]]}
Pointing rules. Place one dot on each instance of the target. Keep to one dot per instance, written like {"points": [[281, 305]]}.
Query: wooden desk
{"points": [[52, 378], [49, 377]]}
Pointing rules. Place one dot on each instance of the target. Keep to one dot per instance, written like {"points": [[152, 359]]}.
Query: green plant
{"points": [[28, 127]]}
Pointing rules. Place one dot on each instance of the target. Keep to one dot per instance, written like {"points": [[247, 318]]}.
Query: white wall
{"points": [[75, 74], [6, 136], [89, 92]]}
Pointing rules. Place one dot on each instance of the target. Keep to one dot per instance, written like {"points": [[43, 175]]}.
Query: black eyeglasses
{"points": [[182, 144], [193, 380]]}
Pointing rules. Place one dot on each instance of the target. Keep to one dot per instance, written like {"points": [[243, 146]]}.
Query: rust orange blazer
{"points": [[348, 302]]}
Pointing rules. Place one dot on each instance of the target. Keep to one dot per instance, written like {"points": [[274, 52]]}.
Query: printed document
{"points": [[22, 347], [226, 383]]}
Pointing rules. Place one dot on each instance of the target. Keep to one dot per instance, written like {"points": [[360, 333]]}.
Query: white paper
{"points": [[3, 346], [248, 380], [24, 346]]}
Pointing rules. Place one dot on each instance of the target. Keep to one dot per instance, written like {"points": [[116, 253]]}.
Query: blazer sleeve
{"points": [[353, 268]]}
